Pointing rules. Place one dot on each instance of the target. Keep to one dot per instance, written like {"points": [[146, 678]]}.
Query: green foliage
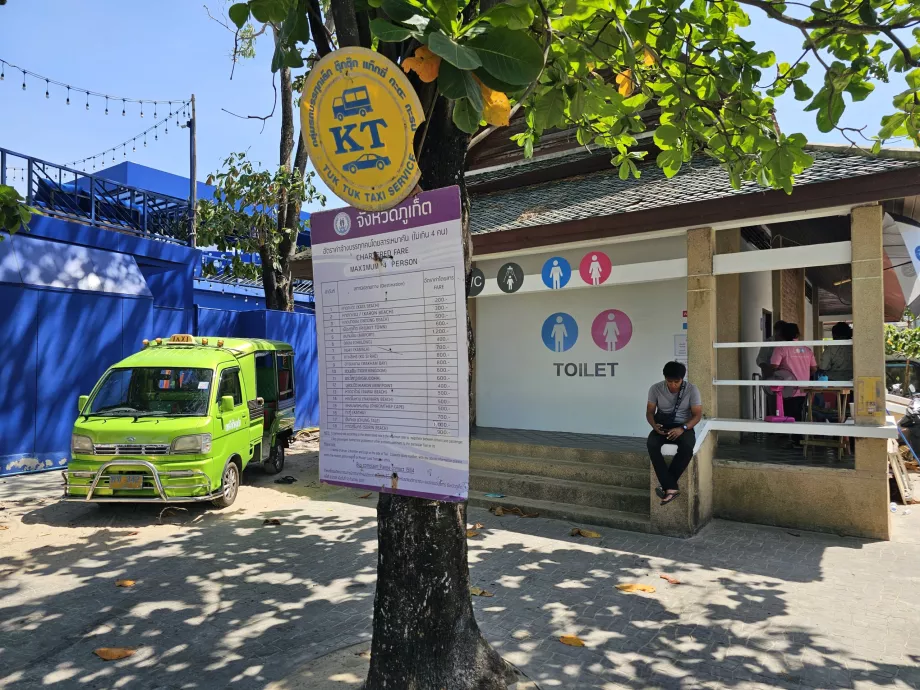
{"points": [[14, 214], [243, 215], [902, 342], [593, 65]]}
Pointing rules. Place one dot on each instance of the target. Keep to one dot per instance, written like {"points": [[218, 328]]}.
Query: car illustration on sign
{"points": [[352, 102], [368, 160]]}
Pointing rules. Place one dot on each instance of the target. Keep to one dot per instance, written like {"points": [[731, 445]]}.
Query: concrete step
{"points": [[583, 515], [591, 472], [632, 455], [562, 491]]}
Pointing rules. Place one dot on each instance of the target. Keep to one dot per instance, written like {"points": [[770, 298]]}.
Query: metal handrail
{"points": [[71, 194]]}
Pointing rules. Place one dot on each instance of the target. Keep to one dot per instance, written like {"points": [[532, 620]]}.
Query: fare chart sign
{"points": [[391, 333]]}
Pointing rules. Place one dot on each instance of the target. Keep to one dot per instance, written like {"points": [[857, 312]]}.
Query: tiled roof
{"points": [[475, 177], [604, 193]]}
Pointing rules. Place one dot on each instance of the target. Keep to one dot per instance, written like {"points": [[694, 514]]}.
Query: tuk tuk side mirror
{"points": [[226, 403], [81, 402]]}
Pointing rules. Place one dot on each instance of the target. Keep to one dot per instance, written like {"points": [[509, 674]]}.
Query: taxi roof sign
{"points": [[182, 338]]}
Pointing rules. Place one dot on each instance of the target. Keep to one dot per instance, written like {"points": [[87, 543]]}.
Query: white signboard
{"points": [[391, 334]]}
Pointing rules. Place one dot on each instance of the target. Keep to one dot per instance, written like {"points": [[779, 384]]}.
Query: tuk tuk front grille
{"points": [[132, 449]]}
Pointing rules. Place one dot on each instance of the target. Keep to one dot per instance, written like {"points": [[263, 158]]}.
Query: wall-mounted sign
{"points": [[559, 332], [612, 330], [510, 278], [477, 282], [595, 268], [556, 273], [358, 115]]}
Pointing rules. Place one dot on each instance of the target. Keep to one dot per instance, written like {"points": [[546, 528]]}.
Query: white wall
{"points": [[756, 295], [808, 328], [517, 382]]}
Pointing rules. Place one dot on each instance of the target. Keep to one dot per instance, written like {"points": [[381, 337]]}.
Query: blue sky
{"points": [[169, 49]]}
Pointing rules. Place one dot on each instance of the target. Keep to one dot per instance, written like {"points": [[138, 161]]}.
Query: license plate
{"points": [[126, 481]]}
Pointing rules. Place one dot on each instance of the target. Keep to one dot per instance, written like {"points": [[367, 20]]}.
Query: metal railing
{"points": [[63, 192]]}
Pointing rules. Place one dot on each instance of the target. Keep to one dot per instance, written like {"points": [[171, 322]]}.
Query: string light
{"points": [[87, 101], [88, 92], [133, 141], [142, 109], [68, 95], [122, 107], [106, 105]]}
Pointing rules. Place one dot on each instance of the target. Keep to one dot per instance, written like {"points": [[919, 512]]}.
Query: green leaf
{"points": [[456, 83], [801, 90], [860, 90], [399, 10], [446, 11], [268, 10], [512, 56], [867, 14], [891, 124], [624, 170], [577, 104], [635, 102], [457, 55], [239, 14], [670, 161], [466, 117], [513, 16], [549, 109], [913, 79], [667, 136], [293, 59], [496, 84], [829, 115], [389, 32]]}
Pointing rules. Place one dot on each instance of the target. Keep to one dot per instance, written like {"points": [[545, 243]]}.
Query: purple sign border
{"points": [[447, 498], [427, 208]]}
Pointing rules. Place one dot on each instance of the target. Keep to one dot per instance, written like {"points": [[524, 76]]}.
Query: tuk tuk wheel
{"points": [[230, 486], [275, 462]]}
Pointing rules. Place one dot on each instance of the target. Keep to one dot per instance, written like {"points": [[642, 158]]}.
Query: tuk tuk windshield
{"points": [[153, 391]]}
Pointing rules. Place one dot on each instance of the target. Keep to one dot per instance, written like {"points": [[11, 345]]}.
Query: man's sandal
{"points": [[669, 497], [659, 492]]}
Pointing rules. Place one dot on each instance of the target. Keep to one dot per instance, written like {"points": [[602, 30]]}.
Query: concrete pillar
{"points": [[728, 329], [869, 351], [685, 516], [868, 314]]}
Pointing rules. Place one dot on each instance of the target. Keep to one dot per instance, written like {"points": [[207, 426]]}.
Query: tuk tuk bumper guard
{"points": [[204, 482]]}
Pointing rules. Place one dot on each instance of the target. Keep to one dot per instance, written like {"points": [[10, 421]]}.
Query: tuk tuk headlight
{"points": [[81, 444], [192, 445]]}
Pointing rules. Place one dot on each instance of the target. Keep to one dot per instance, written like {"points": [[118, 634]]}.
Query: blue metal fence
{"points": [[63, 192]]}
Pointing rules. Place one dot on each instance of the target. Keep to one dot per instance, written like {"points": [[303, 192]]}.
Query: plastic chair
{"points": [[780, 416]]}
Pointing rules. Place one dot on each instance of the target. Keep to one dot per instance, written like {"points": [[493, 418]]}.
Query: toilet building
{"points": [[584, 285]]}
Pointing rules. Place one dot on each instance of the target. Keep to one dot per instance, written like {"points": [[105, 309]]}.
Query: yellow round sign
{"points": [[358, 116]]}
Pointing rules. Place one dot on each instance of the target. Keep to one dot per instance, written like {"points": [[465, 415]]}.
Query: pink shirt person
{"points": [[798, 360]]}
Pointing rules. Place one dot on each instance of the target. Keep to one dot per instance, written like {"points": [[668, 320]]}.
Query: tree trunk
{"points": [[425, 633]]}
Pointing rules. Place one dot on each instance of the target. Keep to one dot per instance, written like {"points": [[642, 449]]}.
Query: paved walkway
{"points": [[222, 601]]}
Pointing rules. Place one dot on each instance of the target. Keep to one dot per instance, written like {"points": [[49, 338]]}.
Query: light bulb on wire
{"points": [[68, 95], [47, 94]]}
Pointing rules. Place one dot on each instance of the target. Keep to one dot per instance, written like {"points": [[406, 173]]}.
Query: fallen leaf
{"points": [[572, 641], [367, 495], [132, 534], [579, 532], [472, 533], [632, 587], [480, 592], [114, 653], [366, 654], [271, 521], [625, 83], [125, 583], [498, 511], [169, 509], [425, 64], [2, 527], [671, 580], [478, 525]]}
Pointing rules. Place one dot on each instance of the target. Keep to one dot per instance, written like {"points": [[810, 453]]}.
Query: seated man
{"points": [[674, 409]]}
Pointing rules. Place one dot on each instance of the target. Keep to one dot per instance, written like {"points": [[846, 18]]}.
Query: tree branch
{"points": [[346, 23], [322, 39], [264, 118]]}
